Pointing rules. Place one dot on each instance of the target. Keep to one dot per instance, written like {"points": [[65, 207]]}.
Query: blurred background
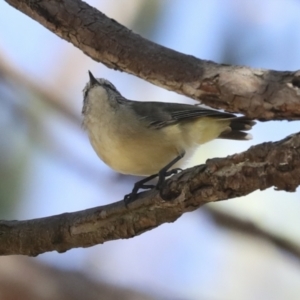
{"points": [[48, 167]]}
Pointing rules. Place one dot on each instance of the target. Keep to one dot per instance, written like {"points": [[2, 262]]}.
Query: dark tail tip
{"points": [[236, 129]]}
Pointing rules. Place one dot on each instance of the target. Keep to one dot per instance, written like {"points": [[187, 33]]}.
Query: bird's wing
{"points": [[160, 114]]}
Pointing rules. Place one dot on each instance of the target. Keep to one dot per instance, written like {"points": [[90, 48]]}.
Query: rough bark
{"points": [[257, 93], [260, 167]]}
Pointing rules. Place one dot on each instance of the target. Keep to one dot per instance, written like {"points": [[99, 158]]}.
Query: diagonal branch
{"points": [[229, 221], [260, 167], [257, 93]]}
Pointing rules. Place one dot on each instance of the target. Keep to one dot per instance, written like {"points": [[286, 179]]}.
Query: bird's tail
{"points": [[235, 130]]}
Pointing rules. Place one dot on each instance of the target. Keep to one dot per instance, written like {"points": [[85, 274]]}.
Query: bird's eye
{"points": [[85, 92], [109, 86]]}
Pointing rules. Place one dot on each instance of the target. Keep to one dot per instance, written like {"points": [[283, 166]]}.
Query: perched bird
{"points": [[148, 138]]}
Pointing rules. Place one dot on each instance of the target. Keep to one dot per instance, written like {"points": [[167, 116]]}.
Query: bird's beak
{"points": [[93, 80]]}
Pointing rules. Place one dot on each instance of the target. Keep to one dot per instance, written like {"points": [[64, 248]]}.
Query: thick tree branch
{"points": [[260, 167], [259, 94]]}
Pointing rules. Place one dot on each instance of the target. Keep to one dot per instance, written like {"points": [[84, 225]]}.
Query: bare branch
{"points": [[65, 284], [237, 224], [260, 167], [9, 73], [257, 93]]}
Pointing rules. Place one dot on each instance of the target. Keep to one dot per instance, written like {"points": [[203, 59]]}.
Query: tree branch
{"points": [[257, 93], [260, 167], [247, 227]]}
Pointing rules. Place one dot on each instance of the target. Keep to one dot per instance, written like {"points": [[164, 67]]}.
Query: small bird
{"points": [[148, 138]]}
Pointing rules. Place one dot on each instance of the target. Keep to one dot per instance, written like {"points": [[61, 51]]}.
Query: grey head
{"points": [[94, 82]]}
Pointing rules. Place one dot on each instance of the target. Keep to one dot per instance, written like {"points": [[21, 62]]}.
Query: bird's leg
{"points": [[139, 185], [165, 172], [162, 174]]}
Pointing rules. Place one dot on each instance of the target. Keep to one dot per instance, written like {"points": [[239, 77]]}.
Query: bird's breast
{"points": [[133, 149]]}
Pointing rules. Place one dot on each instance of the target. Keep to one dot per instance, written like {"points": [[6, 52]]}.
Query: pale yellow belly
{"points": [[147, 151], [136, 157]]}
